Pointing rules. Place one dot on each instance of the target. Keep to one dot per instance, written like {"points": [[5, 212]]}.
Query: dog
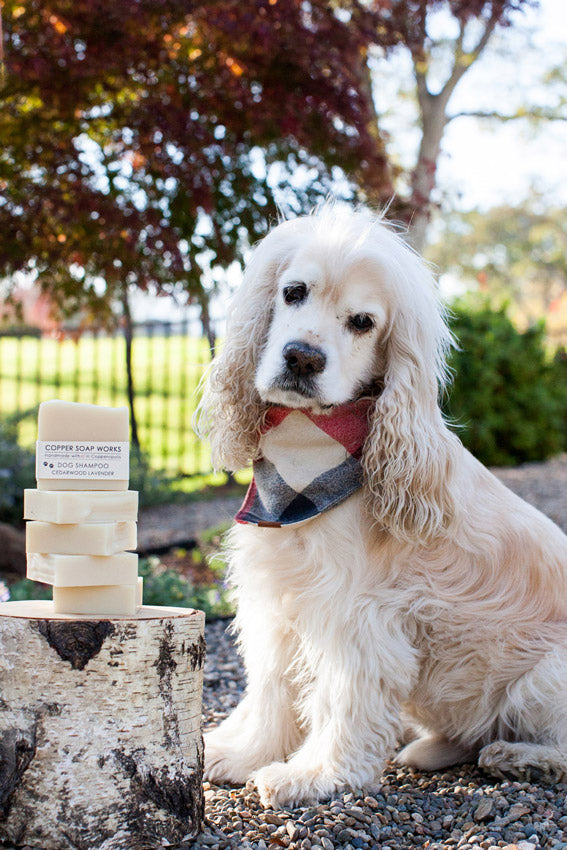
{"points": [[431, 594]]}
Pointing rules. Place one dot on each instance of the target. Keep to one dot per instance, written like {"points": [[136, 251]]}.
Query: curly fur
{"points": [[434, 594]]}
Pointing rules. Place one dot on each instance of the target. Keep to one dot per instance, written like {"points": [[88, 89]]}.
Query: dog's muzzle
{"points": [[302, 363]]}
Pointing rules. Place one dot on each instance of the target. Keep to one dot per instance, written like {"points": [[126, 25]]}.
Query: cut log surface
{"points": [[100, 727]]}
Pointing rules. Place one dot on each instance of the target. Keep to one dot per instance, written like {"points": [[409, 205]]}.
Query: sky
{"points": [[487, 163]]}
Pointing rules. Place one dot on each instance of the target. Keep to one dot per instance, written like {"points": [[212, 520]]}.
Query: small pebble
{"points": [[484, 809], [292, 830], [208, 839]]}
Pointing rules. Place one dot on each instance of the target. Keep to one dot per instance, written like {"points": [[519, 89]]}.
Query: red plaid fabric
{"points": [[309, 463]]}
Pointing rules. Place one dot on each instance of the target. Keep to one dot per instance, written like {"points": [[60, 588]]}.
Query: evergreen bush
{"points": [[508, 401], [17, 471]]}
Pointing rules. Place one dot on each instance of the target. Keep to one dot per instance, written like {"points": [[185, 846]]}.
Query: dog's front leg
{"points": [[361, 675], [263, 727]]}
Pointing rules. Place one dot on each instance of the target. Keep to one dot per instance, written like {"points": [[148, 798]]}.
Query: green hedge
{"points": [[508, 401]]}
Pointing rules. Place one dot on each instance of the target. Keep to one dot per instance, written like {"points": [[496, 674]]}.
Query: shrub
{"points": [[209, 548], [167, 587], [27, 589], [509, 399], [17, 471], [559, 381]]}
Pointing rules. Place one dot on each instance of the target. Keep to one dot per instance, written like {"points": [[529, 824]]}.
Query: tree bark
{"points": [[100, 728]]}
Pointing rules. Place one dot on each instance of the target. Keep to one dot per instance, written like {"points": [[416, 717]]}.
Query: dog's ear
{"points": [[409, 455], [230, 413]]}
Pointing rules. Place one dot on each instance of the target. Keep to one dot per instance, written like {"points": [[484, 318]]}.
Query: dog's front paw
{"points": [[225, 761], [280, 784]]}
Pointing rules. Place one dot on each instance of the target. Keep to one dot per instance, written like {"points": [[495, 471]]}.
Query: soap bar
{"points": [[100, 538], [100, 601], [140, 591], [66, 422], [69, 506], [83, 570]]}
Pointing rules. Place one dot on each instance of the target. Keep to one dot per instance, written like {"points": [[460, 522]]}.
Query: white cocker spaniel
{"points": [[382, 575]]}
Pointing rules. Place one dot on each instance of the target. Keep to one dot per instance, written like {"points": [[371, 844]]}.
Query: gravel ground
{"points": [[542, 484], [461, 808], [169, 525]]}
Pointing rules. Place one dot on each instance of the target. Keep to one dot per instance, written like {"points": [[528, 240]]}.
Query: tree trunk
{"points": [[128, 337], [207, 326], [2, 64], [433, 119], [100, 728]]}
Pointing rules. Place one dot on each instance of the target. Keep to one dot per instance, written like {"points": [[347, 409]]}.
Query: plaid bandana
{"points": [[309, 463]]}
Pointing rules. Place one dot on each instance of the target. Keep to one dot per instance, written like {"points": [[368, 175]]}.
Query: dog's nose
{"points": [[302, 359]]}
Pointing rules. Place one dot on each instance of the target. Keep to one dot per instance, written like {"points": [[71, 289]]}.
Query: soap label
{"points": [[86, 459]]}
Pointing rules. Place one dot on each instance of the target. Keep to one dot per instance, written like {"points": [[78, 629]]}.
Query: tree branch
{"points": [[460, 39], [362, 71], [420, 60], [464, 59], [530, 114], [423, 94]]}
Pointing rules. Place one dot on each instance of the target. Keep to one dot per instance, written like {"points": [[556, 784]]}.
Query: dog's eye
{"points": [[294, 293], [361, 323]]}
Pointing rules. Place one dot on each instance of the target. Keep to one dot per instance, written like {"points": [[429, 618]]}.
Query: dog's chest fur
{"points": [[334, 582]]}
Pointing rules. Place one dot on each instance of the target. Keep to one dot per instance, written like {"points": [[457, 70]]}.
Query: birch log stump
{"points": [[100, 727]]}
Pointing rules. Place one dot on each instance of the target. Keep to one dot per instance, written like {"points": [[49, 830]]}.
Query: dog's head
{"points": [[329, 311], [335, 306]]}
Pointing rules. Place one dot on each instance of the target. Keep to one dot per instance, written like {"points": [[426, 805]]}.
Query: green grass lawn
{"points": [[167, 371]]}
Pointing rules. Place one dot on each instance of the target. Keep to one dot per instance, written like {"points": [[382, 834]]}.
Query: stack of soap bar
{"points": [[82, 516]]}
